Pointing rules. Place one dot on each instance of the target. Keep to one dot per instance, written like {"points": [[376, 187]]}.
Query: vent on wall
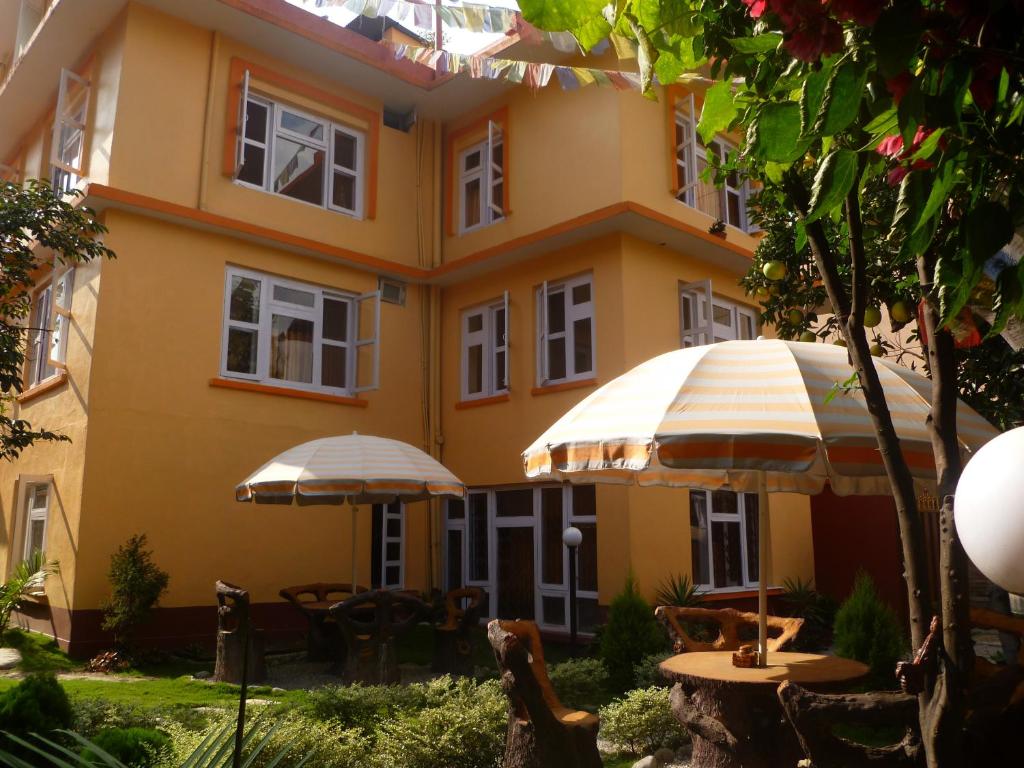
{"points": [[391, 291]]}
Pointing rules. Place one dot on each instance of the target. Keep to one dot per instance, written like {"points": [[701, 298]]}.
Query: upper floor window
{"points": [[723, 539], [566, 341], [67, 145], [48, 328], [727, 203], [297, 335], [291, 153], [485, 360], [37, 512], [482, 181], [705, 318]]}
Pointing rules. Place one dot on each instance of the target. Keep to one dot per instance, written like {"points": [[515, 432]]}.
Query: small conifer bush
{"points": [[137, 584], [631, 634], [868, 630]]}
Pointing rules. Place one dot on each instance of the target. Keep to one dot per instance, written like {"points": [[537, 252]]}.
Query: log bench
{"points": [[369, 623], [542, 733], [453, 639], [729, 621]]}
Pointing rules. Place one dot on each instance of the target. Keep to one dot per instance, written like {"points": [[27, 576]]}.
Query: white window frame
{"points": [[692, 157], [494, 523], [697, 325], [489, 174], [275, 130], [489, 349], [750, 581], [69, 130], [49, 326], [31, 513], [268, 305], [573, 313], [387, 514]]}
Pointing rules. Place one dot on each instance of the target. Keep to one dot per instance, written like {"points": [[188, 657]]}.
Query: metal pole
{"points": [[355, 513], [762, 570], [243, 630], [572, 599]]}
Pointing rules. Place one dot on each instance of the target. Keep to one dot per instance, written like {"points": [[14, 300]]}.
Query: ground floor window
{"points": [[387, 557], [37, 512], [508, 541], [723, 539]]}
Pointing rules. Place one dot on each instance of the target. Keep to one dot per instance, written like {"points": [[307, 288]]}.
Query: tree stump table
{"points": [[733, 714]]}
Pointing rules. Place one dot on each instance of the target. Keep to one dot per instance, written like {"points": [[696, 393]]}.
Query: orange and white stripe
{"points": [[716, 416], [357, 469]]}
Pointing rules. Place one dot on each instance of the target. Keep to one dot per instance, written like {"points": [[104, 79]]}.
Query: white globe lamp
{"points": [[572, 537], [989, 510]]}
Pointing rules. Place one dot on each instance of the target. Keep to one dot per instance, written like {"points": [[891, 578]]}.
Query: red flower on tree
{"points": [[862, 12]]}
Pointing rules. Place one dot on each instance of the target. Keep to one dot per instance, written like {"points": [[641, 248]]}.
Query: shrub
{"points": [[27, 577], [462, 726], [135, 747], [647, 674], [38, 704], [94, 715], [868, 630], [137, 584], [631, 633], [642, 722], [679, 591], [817, 611], [363, 706], [579, 682]]}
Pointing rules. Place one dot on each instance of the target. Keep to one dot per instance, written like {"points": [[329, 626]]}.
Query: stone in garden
{"points": [[201, 675], [664, 756], [9, 658], [647, 762]]}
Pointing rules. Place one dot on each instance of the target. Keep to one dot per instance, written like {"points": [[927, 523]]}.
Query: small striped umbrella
{"points": [[745, 416], [357, 469]]}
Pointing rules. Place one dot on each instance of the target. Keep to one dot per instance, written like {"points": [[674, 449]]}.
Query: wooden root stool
{"points": [[453, 638], [233, 623], [369, 624], [541, 732], [313, 601]]}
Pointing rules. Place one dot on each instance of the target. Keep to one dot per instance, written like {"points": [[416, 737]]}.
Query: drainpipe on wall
{"points": [[437, 434], [208, 120]]}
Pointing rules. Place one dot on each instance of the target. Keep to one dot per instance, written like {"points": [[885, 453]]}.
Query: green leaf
{"points": [[593, 32], [1004, 85], [776, 133], [718, 112], [989, 227], [560, 15], [811, 95], [769, 41], [929, 145], [911, 112], [668, 67], [841, 101], [800, 237], [775, 171], [895, 37], [883, 124], [944, 177], [834, 179]]}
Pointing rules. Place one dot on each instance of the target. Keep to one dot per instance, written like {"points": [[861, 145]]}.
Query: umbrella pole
{"points": [[355, 512], [762, 568]]}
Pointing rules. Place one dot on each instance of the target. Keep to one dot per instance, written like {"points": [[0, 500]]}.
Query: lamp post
{"points": [[989, 510], [572, 537]]}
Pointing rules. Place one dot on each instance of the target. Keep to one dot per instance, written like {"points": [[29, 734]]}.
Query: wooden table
{"points": [[733, 713]]}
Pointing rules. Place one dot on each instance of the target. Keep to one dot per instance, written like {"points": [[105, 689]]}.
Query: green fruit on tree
{"points": [[808, 336], [900, 312], [775, 270], [840, 342], [872, 317], [761, 292], [795, 316], [773, 290], [876, 350]]}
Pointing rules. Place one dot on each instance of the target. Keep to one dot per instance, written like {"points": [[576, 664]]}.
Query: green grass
{"points": [[39, 653], [618, 762]]}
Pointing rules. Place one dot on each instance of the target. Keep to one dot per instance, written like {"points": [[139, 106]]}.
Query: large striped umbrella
{"points": [[357, 469], [745, 416]]}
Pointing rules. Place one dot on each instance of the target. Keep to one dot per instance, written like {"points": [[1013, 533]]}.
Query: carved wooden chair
{"points": [[234, 623], [781, 630], [453, 639], [369, 624], [541, 731], [313, 601]]}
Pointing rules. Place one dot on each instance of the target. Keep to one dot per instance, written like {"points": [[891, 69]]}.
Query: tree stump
{"points": [[541, 732], [233, 623]]}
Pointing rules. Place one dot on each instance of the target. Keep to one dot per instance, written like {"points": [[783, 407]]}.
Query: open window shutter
{"points": [[242, 115], [508, 345], [544, 333], [495, 172], [689, 145], [697, 328], [69, 117], [60, 311], [367, 346]]}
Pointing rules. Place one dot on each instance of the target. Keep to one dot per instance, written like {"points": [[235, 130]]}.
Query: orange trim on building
{"points": [[41, 389], [275, 236], [481, 401], [371, 117], [459, 135], [248, 386], [550, 389]]}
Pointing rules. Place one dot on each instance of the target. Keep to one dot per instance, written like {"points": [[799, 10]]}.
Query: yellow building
{"points": [[312, 238]]}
